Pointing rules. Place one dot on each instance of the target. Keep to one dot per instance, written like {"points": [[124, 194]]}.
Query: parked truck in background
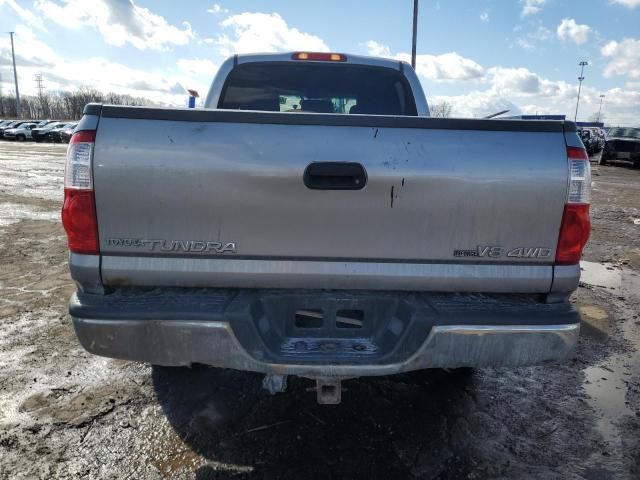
{"points": [[313, 220], [622, 144]]}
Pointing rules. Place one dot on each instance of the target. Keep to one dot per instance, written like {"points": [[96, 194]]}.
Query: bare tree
{"points": [[594, 117], [441, 109], [64, 105]]}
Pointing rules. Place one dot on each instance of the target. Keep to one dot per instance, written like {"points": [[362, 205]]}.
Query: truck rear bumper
{"points": [[251, 331]]}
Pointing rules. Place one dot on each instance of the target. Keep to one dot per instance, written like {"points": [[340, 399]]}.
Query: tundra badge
{"points": [[177, 246]]}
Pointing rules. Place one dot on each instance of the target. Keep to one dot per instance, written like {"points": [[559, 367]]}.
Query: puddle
{"points": [[595, 320], [13, 213], [603, 275], [32, 170], [62, 405], [607, 387], [593, 312], [607, 383]]}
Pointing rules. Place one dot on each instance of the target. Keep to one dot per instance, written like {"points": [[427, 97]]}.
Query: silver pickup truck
{"points": [[313, 220]]}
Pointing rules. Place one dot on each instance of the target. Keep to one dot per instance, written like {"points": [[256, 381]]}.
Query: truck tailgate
{"points": [[213, 198]]}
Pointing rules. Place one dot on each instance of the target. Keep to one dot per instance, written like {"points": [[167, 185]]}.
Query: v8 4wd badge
{"points": [[496, 251]]}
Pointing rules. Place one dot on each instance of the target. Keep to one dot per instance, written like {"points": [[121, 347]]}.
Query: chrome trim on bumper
{"points": [[180, 343]]}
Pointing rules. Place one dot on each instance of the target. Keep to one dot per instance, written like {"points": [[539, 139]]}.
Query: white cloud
{"points": [[106, 76], [484, 16], [164, 85], [531, 40], [476, 104], [621, 106], [514, 80], [30, 52], [377, 49], [570, 30], [197, 73], [263, 32], [197, 66], [216, 9], [525, 43], [542, 33], [118, 21], [25, 15], [531, 7], [624, 58], [494, 87], [446, 67], [520, 90], [627, 3]]}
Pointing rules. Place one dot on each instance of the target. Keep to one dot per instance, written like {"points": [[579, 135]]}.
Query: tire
{"points": [[20, 138]]}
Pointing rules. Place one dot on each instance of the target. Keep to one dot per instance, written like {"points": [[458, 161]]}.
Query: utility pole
{"points": [[15, 77], [1, 100], [580, 79], [600, 109], [415, 33]]}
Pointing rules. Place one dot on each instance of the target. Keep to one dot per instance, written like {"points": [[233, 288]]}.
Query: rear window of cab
{"points": [[318, 88]]}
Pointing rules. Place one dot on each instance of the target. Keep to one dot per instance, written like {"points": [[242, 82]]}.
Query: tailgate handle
{"points": [[335, 176]]}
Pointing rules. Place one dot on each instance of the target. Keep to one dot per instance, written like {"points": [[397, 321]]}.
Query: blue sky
{"points": [[481, 56]]}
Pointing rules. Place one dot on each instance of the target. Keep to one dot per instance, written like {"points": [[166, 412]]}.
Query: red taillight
{"points": [[79, 208], [83, 136], [79, 221], [319, 56], [574, 233], [577, 153], [576, 224]]}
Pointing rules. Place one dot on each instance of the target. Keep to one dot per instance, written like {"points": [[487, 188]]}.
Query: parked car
{"points": [[585, 136], [593, 139], [13, 124], [53, 135], [602, 137], [45, 123], [327, 245], [21, 132], [39, 134], [67, 132], [598, 138], [622, 144]]}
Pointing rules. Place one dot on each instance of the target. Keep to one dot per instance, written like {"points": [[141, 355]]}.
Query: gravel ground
{"points": [[67, 414]]}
